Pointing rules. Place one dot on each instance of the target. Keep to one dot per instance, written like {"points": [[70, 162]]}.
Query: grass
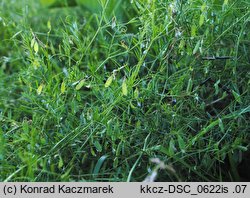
{"points": [[89, 97]]}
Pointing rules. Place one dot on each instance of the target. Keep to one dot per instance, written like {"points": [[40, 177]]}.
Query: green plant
{"points": [[86, 96]]}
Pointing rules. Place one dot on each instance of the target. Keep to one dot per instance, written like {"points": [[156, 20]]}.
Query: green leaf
{"points": [[124, 88], [36, 47], [49, 25], [80, 84], [98, 146], [36, 63], [99, 164], [190, 86], [63, 87], [196, 47], [115, 163], [193, 30], [132, 106], [118, 150], [237, 97], [32, 42], [204, 131], [242, 148], [60, 164], [181, 144], [201, 21], [203, 7], [109, 81], [65, 176], [39, 89], [182, 44], [171, 148], [136, 93], [164, 150], [216, 86], [221, 125], [92, 152], [25, 127]]}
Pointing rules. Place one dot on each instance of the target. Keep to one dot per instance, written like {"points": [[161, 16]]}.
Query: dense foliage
{"points": [[116, 93]]}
